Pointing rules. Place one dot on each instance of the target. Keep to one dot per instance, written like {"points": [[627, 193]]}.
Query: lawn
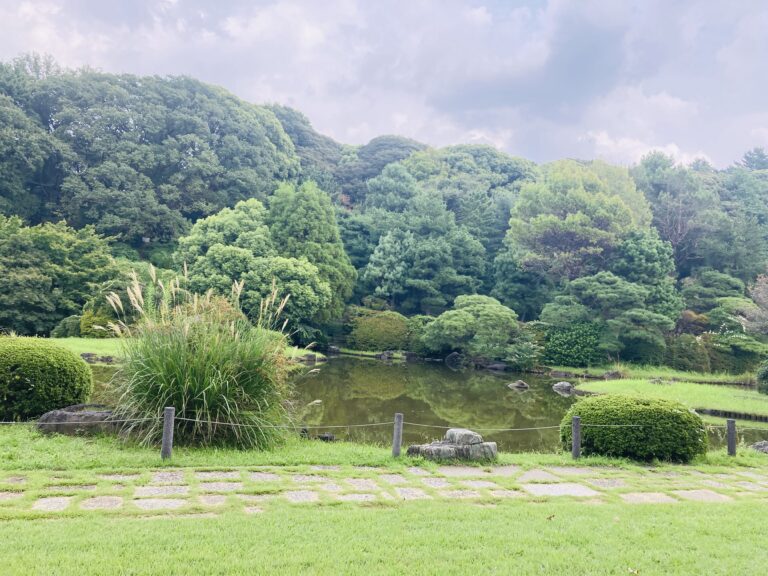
{"points": [[706, 396], [663, 372]]}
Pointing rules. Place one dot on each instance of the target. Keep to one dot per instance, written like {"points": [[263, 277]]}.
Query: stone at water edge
{"points": [[761, 446], [458, 444], [518, 385], [563, 388], [462, 436]]}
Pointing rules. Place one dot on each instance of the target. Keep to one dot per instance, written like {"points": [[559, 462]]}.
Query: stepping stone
{"points": [[356, 497], [538, 476], [264, 476], [252, 510], [505, 471], [608, 482], [330, 487], [305, 479], [459, 494], [159, 503], [393, 479], [752, 475], [102, 503], [221, 486], [167, 477], [479, 484], [319, 467], [716, 484], [53, 504], [412, 493], [416, 471], [72, 488], [10, 495], [436, 482], [364, 484], [647, 498], [212, 500], [570, 470], [561, 489], [751, 486], [298, 496], [142, 491], [505, 493], [234, 475], [459, 471], [119, 477], [255, 497], [15, 480], [369, 468], [702, 495]]}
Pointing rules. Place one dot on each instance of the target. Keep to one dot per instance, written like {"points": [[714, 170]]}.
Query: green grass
{"points": [[99, 346], [444, 538], [663, 372], [708, 396]]}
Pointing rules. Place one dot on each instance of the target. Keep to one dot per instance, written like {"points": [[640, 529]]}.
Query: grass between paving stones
{"points": [[426, 537]]}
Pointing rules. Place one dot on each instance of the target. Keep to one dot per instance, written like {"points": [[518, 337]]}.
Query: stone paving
{"points": [[206, 493]]}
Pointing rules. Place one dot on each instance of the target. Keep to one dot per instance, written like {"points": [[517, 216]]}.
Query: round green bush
{"points": [[37, 375], [762, 378], [379, 331], [663, 430]]}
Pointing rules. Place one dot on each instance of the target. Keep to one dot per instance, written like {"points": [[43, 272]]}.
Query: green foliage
{"points": [[68, 327], [637, 428], [37, 376], [225, 377], [702, 291], [762, 378], [574, 345], [687, 352], [734, 352], [94, 324], [378, 331]]}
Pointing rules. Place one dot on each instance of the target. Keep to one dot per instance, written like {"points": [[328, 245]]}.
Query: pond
{"points": [[360, 391]]}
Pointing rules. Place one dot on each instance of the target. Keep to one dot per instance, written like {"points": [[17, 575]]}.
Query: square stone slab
{"points": [[307, 478], [252, 510], [411, 493], [212, 499], [363, 484], [393, 479], [53, 504], [102, 503], [142, 491], [459, 471], [356, 497], [233, 475], [436, 482], [168, 477], [459, 494], [264, 477], [159, 503], [561, 489], [751, 486], [255, 497], [538, 476], [647, 498], [479, 484], [608, 482], [221, 486], [714, 484], [330, 487], [506, 471], [702, 495], [416, 471], [10, 495], [71, 488], [570, 470], [505, 493], [298, 496], [119, 477]]}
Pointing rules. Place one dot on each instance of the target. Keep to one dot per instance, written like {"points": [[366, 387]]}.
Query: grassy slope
{"points": [[566, 537], [664, 372], [693, 395]]}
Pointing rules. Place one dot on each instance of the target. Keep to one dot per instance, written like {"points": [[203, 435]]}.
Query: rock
{"points": [[458, 444], [518, 385], [761, 446], [496, 366], [76, 420], [333, 350], [309, 358], [612, 375], [563, 388], [559, 374]]}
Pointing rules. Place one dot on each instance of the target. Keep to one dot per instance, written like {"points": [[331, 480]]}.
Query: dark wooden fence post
{"points": [[731, 428], [397, 436], [576, 437], [168, 416]]}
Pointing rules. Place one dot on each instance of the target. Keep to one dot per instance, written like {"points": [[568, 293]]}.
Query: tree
{"points": [[388, 268], [755, 159]]}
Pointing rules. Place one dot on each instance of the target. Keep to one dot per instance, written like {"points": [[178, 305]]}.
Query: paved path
{"points": [[256, 490]]}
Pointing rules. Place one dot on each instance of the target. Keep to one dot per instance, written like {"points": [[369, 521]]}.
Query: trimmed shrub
{"points": [[94, 324], [379, 331], [37, 376], [665, 430], [69, 327], [578, 345], [762, 378]]}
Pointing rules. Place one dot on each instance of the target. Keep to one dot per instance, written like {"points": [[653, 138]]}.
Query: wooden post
{"points": [[397, 435], [731, 427], [576, 437], [168, 416]]}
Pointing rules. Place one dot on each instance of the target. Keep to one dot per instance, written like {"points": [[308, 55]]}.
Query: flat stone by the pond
{"points": [[570, 470], [459, 494], [142, 491], [221, 486], [506, 471], [647, 498], [459, 471], [561, 489], [479, 484], [436, 482], [264, 476], [253, 510], [307, 478], [702, 495], [416, 471], [102, 503], [119, 477], [232, 475], [298, 496], [168, 477], [363, 484], [393, 479], [505, 493], [52, 504], [411, 493], [324, 467], [10, 495], [71, 487], [538, 476], [608, 482], [159, 503], [212, 499], [356, 497]]}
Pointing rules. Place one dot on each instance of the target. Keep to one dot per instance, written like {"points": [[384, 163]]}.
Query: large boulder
{"points": [[78, 420], [761, 446], [518, 385], [458, 444], [563, 388]]}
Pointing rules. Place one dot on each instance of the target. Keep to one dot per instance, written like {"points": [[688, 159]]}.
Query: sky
{"points": [[542, 79]]}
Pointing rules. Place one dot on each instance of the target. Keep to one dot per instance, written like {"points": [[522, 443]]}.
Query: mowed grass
{"points": [[707, 396], [440, 538], [663, 372]]}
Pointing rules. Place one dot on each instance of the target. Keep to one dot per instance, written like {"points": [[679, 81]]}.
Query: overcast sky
{"points": [[543, 79]]}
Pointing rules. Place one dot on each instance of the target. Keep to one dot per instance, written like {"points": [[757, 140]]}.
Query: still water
{"points": [[360, 391]]}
